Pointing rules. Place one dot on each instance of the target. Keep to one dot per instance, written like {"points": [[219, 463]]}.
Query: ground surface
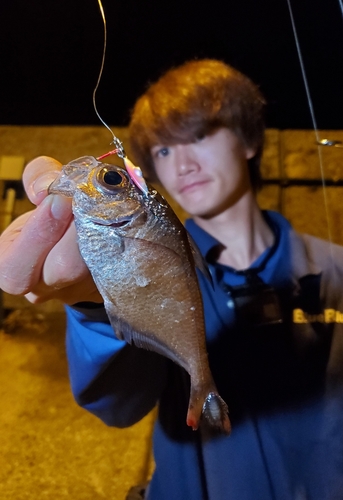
{"points": [[51, 448]]}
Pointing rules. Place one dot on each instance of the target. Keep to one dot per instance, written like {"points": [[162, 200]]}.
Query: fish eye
{"points": [[110, 179]]}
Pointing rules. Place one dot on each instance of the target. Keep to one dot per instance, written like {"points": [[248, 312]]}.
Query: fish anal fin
{"points": [[145, 340]]}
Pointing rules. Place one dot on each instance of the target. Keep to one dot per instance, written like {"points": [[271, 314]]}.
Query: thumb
{"points": [[37, 177]]}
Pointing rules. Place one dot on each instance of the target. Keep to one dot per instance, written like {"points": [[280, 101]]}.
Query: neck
{"points": [[242, 231]]}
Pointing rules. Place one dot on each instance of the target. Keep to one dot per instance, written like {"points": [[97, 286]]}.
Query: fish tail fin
{"points": [[216, 413], [212, 409]]}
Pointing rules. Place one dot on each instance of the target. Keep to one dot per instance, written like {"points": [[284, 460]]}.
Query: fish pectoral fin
{"points": [[199, 260], [150, 255]]}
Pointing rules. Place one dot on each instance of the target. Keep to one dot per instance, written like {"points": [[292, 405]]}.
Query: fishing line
{"points": [[314, 121], [135, 173], [119, 146], [341, 5], [303, 72]]}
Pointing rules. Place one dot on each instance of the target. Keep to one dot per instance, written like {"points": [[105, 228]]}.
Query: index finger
{"points": [[37, 177], [26, 243]]}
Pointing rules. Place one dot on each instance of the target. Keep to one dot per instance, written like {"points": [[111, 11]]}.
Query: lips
{"points": [[192, 186]]}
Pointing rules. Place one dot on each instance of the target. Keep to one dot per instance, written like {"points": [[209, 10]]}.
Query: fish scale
{"points": [[143, 263]]}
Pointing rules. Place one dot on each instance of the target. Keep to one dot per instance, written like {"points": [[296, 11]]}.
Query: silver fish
{"points": [[143, 263]]}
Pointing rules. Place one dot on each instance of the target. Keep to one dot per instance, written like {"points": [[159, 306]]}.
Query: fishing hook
{"points": [[328, 142]]}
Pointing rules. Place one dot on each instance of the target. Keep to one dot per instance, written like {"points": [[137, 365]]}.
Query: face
{"points": [[205, 177]]}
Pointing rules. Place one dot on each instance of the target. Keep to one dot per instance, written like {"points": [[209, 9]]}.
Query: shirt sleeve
{"points": [[117, 382]]}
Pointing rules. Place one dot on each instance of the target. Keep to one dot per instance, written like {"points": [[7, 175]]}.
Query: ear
{"points": [[250, 152]]}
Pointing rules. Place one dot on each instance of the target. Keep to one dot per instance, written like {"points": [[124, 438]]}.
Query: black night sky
{"points": [[50, 55]]}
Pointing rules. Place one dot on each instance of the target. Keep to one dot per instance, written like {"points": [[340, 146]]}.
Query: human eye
{"points": [[200, 136], [160, 152], [163, 152]]}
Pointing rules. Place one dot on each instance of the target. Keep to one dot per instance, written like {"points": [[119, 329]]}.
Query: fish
{"points": [[143, 262]]}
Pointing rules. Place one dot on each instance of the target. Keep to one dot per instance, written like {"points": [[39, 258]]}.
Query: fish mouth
{"points": [[120, 223], [117, 223]]}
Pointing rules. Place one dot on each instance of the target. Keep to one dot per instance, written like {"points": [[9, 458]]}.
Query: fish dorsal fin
{"points": [[199, 260]]}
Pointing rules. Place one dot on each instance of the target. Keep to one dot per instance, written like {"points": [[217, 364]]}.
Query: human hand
{"points": [[39, 255]]}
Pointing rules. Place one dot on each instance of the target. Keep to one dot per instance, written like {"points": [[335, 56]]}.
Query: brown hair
{"points": [[192, 100]]}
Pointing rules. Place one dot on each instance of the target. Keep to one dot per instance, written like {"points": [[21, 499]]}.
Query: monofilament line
{"points": [[341, 5], [115, 139], [314, 121]]}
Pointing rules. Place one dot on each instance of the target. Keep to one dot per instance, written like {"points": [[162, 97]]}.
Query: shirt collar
{"points": [[206, 242]]}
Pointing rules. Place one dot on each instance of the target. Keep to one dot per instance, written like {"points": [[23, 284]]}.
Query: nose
{"points": [[185, 160]]}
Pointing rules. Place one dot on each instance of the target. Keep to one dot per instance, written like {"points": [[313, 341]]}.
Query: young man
{"points": [[274, 342]]}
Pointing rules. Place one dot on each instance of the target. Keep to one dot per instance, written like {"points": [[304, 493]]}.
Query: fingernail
{"points": [[43, 181], [60, 206]]}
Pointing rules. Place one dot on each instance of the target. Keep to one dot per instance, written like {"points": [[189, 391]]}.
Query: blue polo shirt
{"points": [[280, 447], [273, 265]]}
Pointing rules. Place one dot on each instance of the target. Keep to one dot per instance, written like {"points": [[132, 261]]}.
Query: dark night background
{"points": [[51, 51]]}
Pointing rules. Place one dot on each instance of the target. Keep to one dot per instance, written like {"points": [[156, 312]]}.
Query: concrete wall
{"points": [[289, 155], [293, 155]]}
